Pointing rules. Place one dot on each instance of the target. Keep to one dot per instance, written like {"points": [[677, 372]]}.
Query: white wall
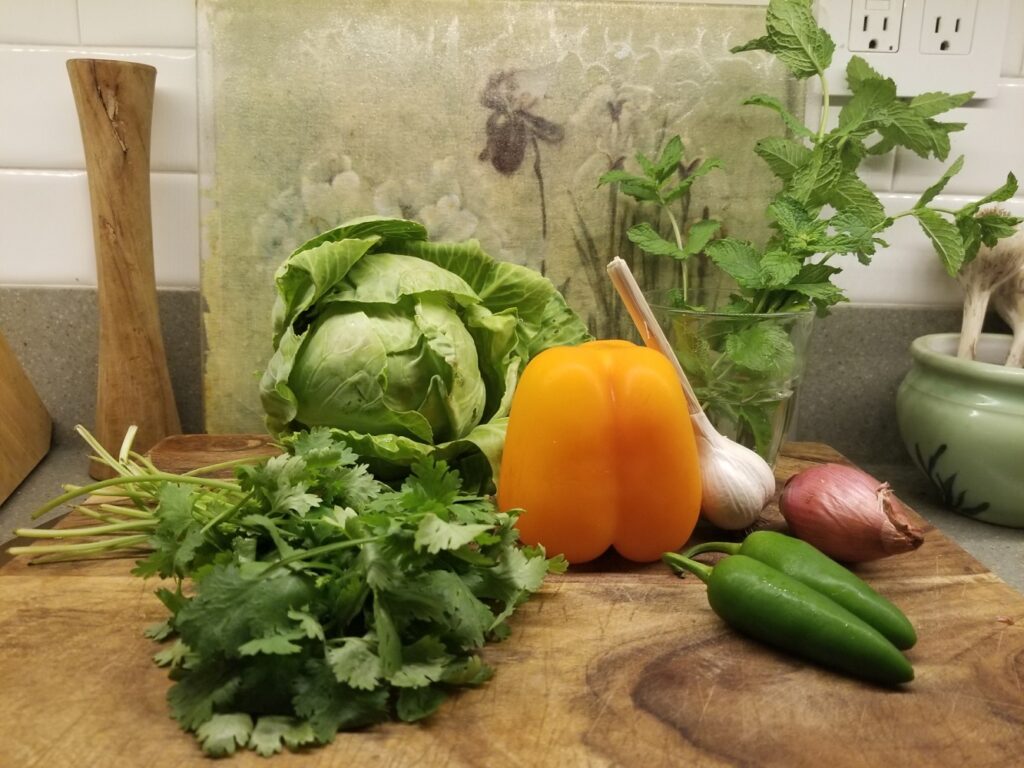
{"points": [[45, 224]]}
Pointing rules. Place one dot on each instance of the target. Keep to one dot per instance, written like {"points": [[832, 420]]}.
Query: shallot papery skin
{"points": [[847, 514]]}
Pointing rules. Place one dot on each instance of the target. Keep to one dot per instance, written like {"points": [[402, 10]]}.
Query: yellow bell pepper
{"points": [[600, 453]]}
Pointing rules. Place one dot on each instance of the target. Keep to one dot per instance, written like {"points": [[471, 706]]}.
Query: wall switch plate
{"points": [[926, 45]]}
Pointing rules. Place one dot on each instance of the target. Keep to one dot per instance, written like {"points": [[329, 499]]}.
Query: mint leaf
{"points": [[700, 235], [795, 38], [851, 195], [859, 72], [668, 163], [813, 183], [1005, 192], [687, 181], [945, 238], [772, 103], [737, 259], [649, 241], [815, 282], [784, 156], [868, 108], [778, 268], [936, 102], [761, 347], [935, 189]]}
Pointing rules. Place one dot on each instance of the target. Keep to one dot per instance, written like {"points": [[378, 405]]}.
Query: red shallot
{"points": [[848, 514]]}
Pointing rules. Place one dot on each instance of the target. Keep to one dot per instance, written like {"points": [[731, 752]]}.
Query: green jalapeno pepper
{"points": [[770, 606], [809, 565]]}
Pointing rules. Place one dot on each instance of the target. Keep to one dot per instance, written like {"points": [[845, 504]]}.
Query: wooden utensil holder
{"points": [[115, 109]]}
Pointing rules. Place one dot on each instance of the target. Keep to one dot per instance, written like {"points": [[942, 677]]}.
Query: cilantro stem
{"points": [[224, 465], [87, 547], [155, 477], [322, 550], [89, 530], [225, 514]]}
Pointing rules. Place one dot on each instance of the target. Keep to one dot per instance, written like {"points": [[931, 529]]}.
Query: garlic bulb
{"points": [[736, 483], [980, 277]]}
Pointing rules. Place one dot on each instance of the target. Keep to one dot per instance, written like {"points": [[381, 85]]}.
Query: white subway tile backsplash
{"points": [[53, 22], [46, 229], [1013, 50], [34, 86], [908, 271], [991, 144], [170, 23], [45, 220]]}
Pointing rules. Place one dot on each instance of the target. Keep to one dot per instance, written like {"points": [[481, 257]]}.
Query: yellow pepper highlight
{"points": [[600, 453]]}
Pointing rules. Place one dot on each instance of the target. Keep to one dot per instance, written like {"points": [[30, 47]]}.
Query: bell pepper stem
{"points": [[731, 548], [681, 563]]}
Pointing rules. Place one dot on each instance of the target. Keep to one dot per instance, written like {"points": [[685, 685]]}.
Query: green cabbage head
{"points": [[407, 347]]}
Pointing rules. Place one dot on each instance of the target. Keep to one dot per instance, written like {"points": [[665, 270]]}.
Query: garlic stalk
{"points": [[1009, 301], [736, 482], [989, 269]]}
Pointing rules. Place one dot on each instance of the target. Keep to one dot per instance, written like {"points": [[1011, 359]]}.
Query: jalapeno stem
{"points": [[730, 548], [681, 563]]}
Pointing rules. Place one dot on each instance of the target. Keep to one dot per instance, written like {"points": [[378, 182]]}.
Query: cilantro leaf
{"points": [[355, 664], [231, 608], [222, 734], [273, 731], [417, 703], [436, 535], [328, 705], [194, 697]]}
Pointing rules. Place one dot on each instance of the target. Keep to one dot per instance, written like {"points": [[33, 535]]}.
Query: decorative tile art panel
{"points": [[486, 119]]}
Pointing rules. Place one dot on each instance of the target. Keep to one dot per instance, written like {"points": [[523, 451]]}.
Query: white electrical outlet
{"points": [[924, 45], [875, 26], [948, 27]]}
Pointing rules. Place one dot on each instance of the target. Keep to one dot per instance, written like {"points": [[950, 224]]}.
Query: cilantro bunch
{"points": [[307, 597]]}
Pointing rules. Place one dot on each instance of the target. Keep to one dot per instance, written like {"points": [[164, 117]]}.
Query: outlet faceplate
{"points": [[875, 26], [953, 59], [948, 27]]}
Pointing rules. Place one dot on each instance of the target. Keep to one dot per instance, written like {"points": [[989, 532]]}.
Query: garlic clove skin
{"points": [[848, 514], [736, 483]]}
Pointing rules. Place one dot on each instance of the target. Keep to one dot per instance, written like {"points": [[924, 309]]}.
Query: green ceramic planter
{"points": [[962, 422]]}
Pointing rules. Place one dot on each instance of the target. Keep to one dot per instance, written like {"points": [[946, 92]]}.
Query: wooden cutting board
{"points": [[25, 425], [611, 665]]}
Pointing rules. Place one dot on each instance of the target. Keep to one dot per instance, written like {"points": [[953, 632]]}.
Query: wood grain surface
{"points": [[114, 99], [610, 665], [25, 426]]}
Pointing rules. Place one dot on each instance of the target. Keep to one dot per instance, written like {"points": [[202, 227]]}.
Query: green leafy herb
{"points": [[321, 598], [822, 209]]}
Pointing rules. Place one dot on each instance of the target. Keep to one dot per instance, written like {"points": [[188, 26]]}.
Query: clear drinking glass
{"points": [[745, 368]]}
